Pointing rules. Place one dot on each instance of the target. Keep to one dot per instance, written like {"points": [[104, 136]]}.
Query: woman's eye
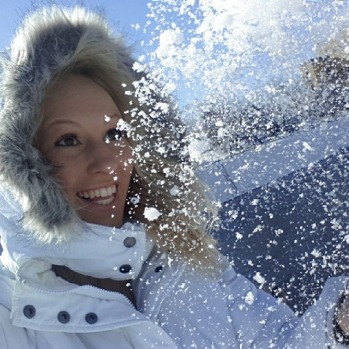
{"points": [[113, 135], [67, 141]]}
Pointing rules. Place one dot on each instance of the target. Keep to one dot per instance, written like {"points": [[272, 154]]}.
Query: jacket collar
{"points": [[98, 251], [95, 250]]}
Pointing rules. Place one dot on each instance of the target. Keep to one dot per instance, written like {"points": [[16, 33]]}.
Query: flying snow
{"points": [[151, 213]]}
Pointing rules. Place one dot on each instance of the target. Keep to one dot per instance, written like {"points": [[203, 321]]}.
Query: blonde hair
{"points": [[163, 178]]}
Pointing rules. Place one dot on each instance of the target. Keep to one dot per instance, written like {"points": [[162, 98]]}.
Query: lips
{"points": [[102, 196]]}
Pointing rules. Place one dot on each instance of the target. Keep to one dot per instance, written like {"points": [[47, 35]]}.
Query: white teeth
{"points": [[99, 193], [104, 202], [104, 192]]}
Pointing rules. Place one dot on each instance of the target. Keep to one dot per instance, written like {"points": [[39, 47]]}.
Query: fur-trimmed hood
{"points": [[49, 42]]}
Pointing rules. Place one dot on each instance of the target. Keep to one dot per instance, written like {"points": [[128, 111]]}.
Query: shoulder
{"points": [[158, 276], [188, 304], [164, 282]]}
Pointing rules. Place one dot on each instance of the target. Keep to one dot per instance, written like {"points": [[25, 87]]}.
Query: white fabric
{"points": [[27, 279], [97, 251], [177, 307], [198, 312]]}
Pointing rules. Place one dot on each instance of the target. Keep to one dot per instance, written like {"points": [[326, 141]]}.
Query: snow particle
{"points": [[151, 213]]}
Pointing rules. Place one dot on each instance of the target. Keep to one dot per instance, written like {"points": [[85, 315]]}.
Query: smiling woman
{"points": [[104, 224], [91, 157]]}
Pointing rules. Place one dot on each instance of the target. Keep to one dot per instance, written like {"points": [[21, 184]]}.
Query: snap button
{"points": [[130, 241], [91, 318], [29, 311], [158, 269], [63, 317], [126, 268]]}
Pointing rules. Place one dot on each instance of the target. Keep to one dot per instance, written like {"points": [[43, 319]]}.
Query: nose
{"points": [[103, 158]]}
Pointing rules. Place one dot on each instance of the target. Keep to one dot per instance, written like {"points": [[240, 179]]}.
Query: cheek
{"points": [[66, 177], [127, 172], [127, 159], [126, 169]]}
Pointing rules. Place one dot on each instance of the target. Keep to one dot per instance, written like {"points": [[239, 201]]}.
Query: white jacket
{"points": [[177, 307]]}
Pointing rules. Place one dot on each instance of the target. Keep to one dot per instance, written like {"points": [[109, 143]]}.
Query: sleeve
{"points": [[317, 324], [233, 313], [262, 322]]}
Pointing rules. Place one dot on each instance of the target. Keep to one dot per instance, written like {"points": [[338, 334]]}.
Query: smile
{"points": [[102, 196]]}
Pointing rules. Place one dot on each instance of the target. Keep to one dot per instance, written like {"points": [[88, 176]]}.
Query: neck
{"points": [[122, 286]]}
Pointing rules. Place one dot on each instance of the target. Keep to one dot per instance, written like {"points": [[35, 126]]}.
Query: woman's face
{"points": [[93, 160]]}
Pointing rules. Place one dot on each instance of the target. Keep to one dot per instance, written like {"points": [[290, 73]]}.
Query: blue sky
{"points": [[123, 15], [224, 49], [120, 13]]}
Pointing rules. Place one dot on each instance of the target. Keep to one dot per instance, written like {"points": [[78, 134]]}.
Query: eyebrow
{"points": [[69, 121], [59, 121]]}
